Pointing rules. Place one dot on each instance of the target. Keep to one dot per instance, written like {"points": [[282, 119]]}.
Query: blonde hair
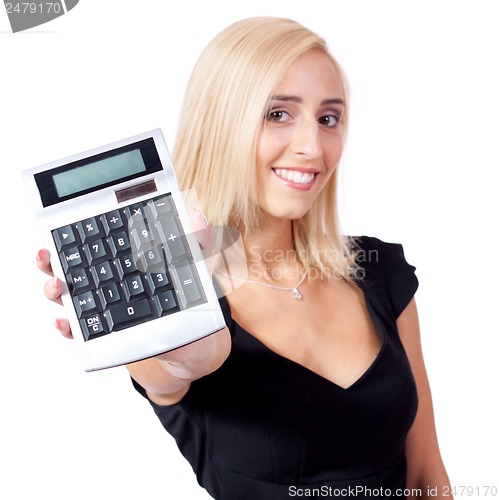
{"points": [[224, 106]]}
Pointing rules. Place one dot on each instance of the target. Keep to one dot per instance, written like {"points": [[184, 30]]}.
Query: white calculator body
{"points": [[119, 235]]}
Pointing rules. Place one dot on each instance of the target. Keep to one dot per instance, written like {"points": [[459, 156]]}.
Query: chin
{"points": [[293, 214], [282, 208]]}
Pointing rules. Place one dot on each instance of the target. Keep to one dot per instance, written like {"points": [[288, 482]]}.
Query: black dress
{"points": [[263, 427]]}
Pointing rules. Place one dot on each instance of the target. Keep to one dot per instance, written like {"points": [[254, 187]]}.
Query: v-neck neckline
{"points": [[380, 330]]}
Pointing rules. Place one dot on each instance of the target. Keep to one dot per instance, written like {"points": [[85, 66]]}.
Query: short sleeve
{"points": [[386, 265]]}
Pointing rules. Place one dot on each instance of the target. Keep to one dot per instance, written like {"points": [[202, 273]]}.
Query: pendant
{"points": [[297, 294]]}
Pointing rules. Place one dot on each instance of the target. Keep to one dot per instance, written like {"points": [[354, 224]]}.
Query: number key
{"points": [[158, 281], [134, 287], [153, 259], [141, 237], [126, 264], [96, 251], [120, 241], [103, 273], [110, 294], [121, 316]]}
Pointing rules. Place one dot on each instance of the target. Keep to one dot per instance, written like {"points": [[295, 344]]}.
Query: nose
{"points": [[306, 139]]}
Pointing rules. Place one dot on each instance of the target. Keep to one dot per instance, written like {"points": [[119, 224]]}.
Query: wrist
{"points": [[199, 358]]}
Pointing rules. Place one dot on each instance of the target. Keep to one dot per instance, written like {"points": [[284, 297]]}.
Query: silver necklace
{"points": [[293, 289]]}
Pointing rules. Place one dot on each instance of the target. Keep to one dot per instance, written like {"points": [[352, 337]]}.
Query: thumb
{"points": [[202, 231]]}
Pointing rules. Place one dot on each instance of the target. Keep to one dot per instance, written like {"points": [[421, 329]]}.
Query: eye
{"points": [[329, 121], [277, 116]]}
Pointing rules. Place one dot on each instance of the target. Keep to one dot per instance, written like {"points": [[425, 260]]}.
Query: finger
{"points": [[43, 261], [204, 234], [53, 290], [62, 324], [201, 229]]}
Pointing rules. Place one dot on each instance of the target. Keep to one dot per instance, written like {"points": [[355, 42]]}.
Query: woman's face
{"points": [[301, 140]]}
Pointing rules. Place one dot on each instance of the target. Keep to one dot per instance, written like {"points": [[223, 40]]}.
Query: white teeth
{"points": [[294, 176]]}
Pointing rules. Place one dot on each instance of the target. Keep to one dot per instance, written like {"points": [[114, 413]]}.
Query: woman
{"points": [[317, 384]]}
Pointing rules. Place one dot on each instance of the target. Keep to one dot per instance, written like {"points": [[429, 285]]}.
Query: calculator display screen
{"points": [[98, 173]]}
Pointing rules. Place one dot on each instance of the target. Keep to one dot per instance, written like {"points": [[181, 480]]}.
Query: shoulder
{"points": [[373, 254], [370, 246], [384, 265]]}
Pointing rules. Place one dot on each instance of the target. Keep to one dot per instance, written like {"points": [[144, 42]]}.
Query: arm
{"points": [[425, 468], [166, 378]]}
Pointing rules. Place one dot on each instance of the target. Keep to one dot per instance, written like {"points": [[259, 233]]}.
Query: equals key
{"points": [[187, 284]]}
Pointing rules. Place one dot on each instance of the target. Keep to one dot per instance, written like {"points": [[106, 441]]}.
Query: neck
{"points": [[270, 251]]}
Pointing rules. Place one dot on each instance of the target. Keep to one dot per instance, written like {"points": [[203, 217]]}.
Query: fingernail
{"points": [[53, 283]]}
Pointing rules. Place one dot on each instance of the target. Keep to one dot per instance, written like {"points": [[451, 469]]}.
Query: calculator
{"points": [[117, 227]]}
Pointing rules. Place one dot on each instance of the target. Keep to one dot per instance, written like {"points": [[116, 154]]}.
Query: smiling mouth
{"points": [[295, 176]]}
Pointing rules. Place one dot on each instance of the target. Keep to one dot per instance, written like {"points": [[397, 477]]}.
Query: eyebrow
{"points": [[292, 98]]}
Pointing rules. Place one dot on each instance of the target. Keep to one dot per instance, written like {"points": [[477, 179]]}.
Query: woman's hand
{"points": [[53, 289], [166, 377]]}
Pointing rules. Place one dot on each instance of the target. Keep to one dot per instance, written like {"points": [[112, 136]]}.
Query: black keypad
{"points": [[128, 266]]}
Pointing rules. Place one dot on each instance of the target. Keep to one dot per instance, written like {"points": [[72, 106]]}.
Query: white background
{"points": [[419, 169]]}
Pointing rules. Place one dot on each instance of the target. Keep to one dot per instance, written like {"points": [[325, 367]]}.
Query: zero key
{"points": [[123, 315]]}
